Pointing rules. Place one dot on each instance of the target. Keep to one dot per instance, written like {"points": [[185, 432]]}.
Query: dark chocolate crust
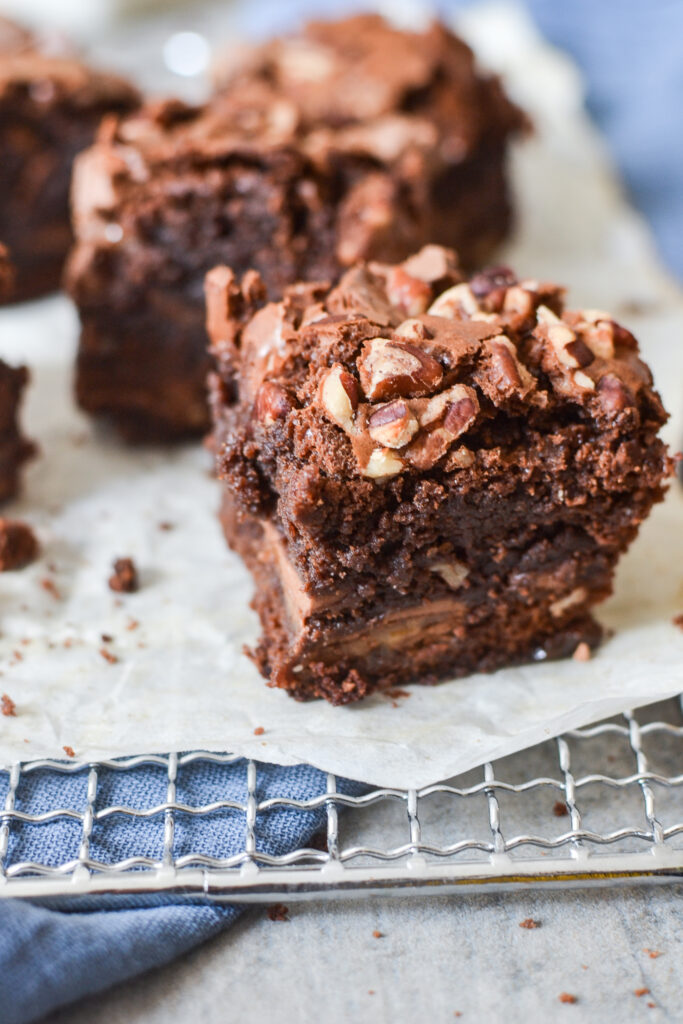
{"points": [[264, 178], [14, 448], [50, 108], [426, 483]]}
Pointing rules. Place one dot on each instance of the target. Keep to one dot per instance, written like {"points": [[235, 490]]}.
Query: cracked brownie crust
{"points": [[353, 141], [426, 476], [50, 108]]}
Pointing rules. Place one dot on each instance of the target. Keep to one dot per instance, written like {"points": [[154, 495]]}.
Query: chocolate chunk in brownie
{"points": [[14, 448], [18, 544], [50, 108], [427, 477], [355, 141]]}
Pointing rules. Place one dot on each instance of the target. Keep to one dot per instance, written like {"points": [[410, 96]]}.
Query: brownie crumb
{"points": [[567, 997], [166, 526], [560, 809], [124, 579], [69, 751], [678, 621], [259, 730], [641, 992], [529, 922], [653, 953], [582, 652], [377, 934], [106, 638], [278, 912], [132, 624], [50, 587], [108, 656], [7, 706], [652, 1005], [18, 545]]}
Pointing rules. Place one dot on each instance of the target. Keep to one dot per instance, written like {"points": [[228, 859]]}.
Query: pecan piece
{"points": [[458, 300], [571, 351], [397, 369], [458, 406], [381, 464], [453, 573], [339, 397], [392, 425], [407, 293], [272, 403], [614, 395]]}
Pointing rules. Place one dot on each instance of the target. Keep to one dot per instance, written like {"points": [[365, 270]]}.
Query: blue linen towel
{"points": [[631, 55], [49, 957]]}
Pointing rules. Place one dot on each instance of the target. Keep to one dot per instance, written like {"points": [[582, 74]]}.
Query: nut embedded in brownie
{"points": [[14, 448], [50, 108], [355, 141], [427, 477]]}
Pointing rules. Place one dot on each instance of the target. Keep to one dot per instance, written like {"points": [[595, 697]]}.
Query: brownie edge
{"points": [[427, 476]]}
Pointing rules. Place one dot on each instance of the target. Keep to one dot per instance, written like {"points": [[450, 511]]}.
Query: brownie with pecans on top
{"points": [[426, 476], [50, 107], [351, 141]]}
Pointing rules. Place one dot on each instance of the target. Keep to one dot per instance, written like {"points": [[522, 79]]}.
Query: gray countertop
{"points": [[437, 957]]}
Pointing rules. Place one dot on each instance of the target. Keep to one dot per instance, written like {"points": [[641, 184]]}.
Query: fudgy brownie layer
{"points": [[50, 108], [6, 274], [264, 178], [388, 446], [14, 448]]}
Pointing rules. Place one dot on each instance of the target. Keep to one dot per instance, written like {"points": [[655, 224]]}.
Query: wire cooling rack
{"points": [[603, 804]]}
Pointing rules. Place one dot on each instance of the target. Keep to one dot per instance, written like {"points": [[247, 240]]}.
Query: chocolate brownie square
{"points": [[14, 448], [426, 476], [356, 141], [50, 108]]}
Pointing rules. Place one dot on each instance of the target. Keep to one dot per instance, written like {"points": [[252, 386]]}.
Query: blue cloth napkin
{"points": [[631, 56], [48, 957]]}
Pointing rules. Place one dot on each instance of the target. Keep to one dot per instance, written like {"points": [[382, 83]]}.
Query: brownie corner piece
{"points": [[429, 476], [50, 107], [15, 450], [401, 141]]}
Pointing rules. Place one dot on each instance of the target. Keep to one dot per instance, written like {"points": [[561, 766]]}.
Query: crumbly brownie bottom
{"points": [[336, 646]]}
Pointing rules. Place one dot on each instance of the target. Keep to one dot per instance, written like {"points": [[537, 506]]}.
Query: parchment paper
{"points": [[180, 680]]}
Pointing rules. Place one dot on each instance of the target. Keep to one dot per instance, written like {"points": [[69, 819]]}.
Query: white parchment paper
{"points": [[180, 680]]}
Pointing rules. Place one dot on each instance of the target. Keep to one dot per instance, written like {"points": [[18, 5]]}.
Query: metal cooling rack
{"points": [[602, 804]]}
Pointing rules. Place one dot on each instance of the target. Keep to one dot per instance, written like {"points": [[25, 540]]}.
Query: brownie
{"points": [[426, 476], [14, 448], [50, 108], [266, 176], [6, 274]]}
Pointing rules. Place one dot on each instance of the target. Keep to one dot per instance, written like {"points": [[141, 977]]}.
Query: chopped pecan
{"points": [[457, 407], [571, 351], [428, 447], [397, 369], [492, 279], [339, 397], [507, 373], [614, 395], [458, 300], [413, 330], [407, 293], [583, 381], [519, 300], [381, 464], [272, 403], [392, 425]]}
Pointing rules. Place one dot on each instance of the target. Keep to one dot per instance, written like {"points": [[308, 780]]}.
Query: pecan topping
{"points": [[614, 395], [457, 405], [397, 369], [582, 380], [392, 425], [569, 349], [413, 330], [272, 402], [518, 300], [407, 293], [339, 397], [381, 464], [458, 300], [507, 373], [428, 447]]}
